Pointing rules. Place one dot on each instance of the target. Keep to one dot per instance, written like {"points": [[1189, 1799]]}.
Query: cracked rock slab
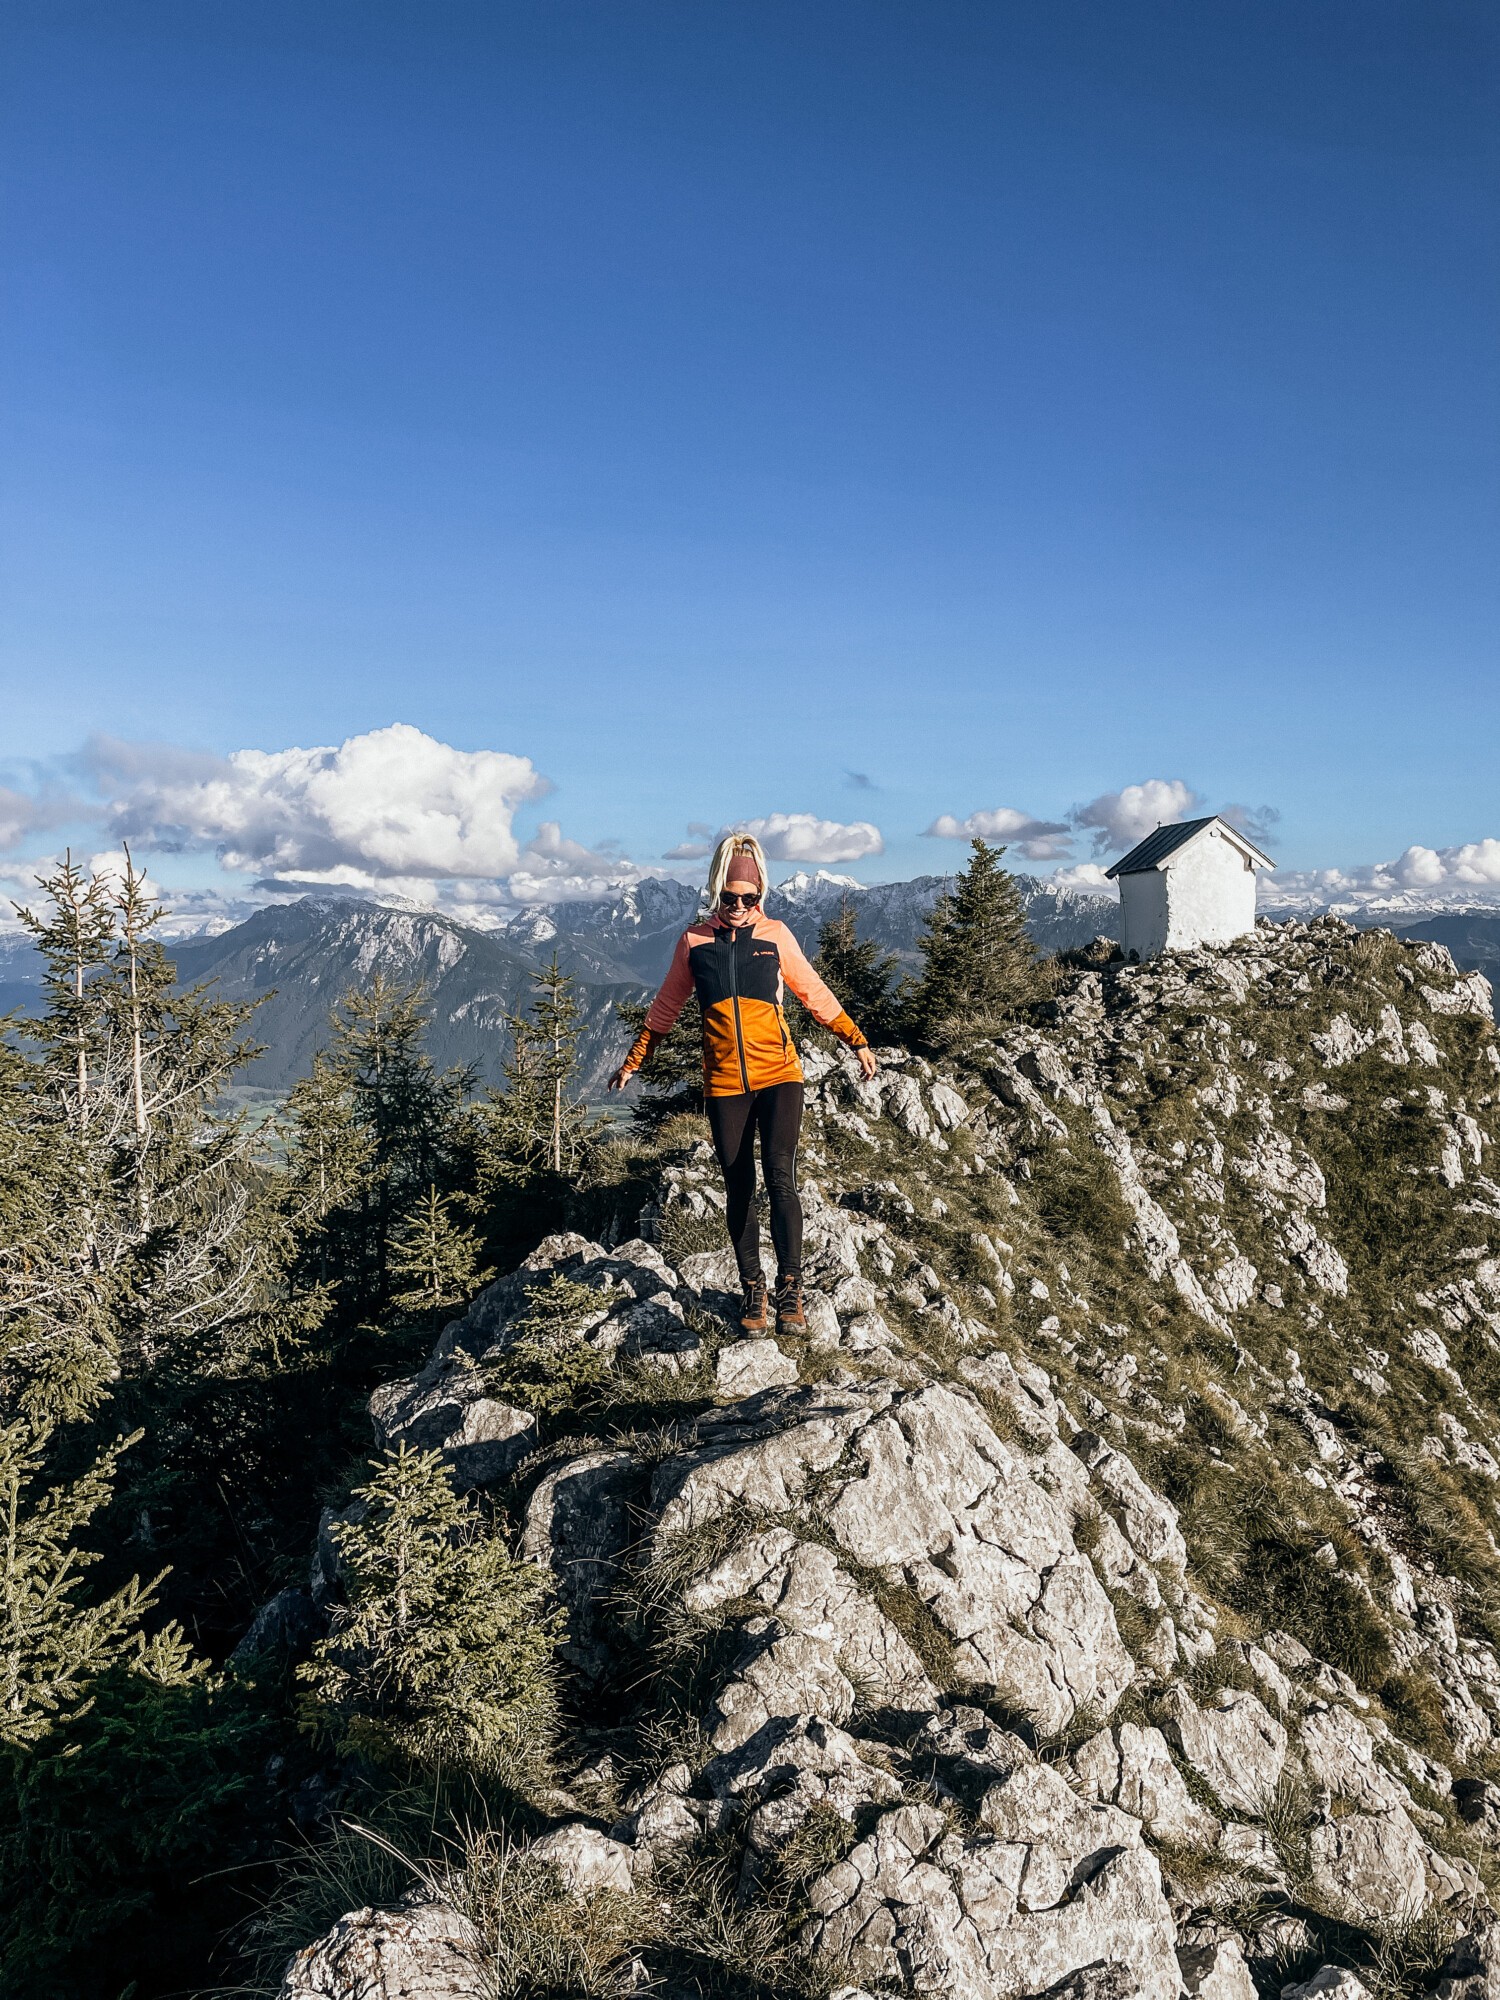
{"points": [[423, 1951], [1237, 1747], [1370, 1866], [919, 1904], [991, 1552], [747, 1366], [578, 1522], [1132, 1767]]}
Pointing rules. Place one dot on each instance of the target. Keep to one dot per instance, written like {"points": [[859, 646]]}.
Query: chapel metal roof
{"points": [[1154, 849]]}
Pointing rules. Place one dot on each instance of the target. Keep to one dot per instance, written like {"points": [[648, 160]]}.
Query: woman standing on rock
{"points": [[741, 963]]}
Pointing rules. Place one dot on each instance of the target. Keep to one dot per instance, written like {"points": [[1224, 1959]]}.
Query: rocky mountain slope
{"points": [[1103, 1599]]}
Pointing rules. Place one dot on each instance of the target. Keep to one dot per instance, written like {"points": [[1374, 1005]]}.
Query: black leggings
{"points": [[734, 1121]]}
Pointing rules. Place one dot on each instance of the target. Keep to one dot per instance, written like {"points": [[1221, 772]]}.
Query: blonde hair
{"points": [[728, 849]]}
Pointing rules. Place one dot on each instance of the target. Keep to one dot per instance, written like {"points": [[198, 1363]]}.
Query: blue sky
{"points": [[1003, 404]]}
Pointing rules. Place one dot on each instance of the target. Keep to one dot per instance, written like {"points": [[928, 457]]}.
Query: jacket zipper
{"points": [[734, 994]]}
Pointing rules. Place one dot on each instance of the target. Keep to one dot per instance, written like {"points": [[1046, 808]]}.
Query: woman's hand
{"points": [[866, 1060], [620, 1078]]}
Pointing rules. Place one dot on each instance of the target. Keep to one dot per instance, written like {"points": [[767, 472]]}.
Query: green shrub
{"points": [[550, 1365], [116, 1827], [443, 1654], [681, 1234]]}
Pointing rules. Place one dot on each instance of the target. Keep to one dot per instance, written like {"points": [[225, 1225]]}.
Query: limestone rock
{"points": [[447, 1408], [646, 1328], [1248, 1850], [1340, 1756], [423, 1951], [282, 1628], [1237, 1747], [1106, 1980], [1149, 1521], [577, 1523], [662, 1817], [1215, 1971], [711, 1271], [1332, 1982], [1478, 1804], [968, 1752], [915, 1903], [1471, 995], [585, 1859], [822, 1319], [806, 1590], [488, 1320], [1370, 1865], [990, 1552], [739, 1464], [746, 1366], [1471, 1970], [1132, 1767], [778, 1673], [789, 1768]]}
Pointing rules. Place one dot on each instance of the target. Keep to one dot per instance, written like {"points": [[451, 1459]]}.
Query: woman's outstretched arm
{"points": [[661, 1015], [819, 1000]]}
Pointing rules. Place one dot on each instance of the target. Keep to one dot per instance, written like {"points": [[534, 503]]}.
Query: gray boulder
{"points": [[281, 1629], [1339, 1753], [578, 1522], [1215, 1970], [447, 1408], [586, 1860], [1058, 1888], [809, 1593], [967, 1520], [1331, 1982], [423, 1951], [1370, 1866], [747, 1366], [1131, 1767], [1472, 1969], [1237, 1747]]}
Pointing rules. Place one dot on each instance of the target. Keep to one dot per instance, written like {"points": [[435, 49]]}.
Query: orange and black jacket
{"points": [[741, 977]]}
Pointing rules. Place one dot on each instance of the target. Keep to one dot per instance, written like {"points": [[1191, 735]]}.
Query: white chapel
{"points": [[1186, 884]]}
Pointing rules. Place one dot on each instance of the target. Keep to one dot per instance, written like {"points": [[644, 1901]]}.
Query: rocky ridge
{"points": [[1102, 1600]]}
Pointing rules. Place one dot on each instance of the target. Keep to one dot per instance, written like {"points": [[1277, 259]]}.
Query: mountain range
{"points": [[297, 959]]}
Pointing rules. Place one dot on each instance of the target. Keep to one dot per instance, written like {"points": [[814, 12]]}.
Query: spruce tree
{"points": [[73, 941], [554, 1030], [329, 1154], [435, 1256], [409, 1114], [529, 1141], [980, 965], [860, 973], [133, 1242], [442, 1655], [55, 1644]]}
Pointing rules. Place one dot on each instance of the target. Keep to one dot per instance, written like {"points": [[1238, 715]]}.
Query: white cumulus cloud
{"points": [[1446, 876], [805, 837], [1088, 877], [1477, 862], [393, 805], [1038, 839], [1118, 820]]}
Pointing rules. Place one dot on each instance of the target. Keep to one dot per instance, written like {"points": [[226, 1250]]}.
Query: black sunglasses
{"points": [[733, 902]]}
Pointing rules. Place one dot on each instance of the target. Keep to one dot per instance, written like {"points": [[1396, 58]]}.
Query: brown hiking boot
{"points": [[790, 1318], [754, 1318]]}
